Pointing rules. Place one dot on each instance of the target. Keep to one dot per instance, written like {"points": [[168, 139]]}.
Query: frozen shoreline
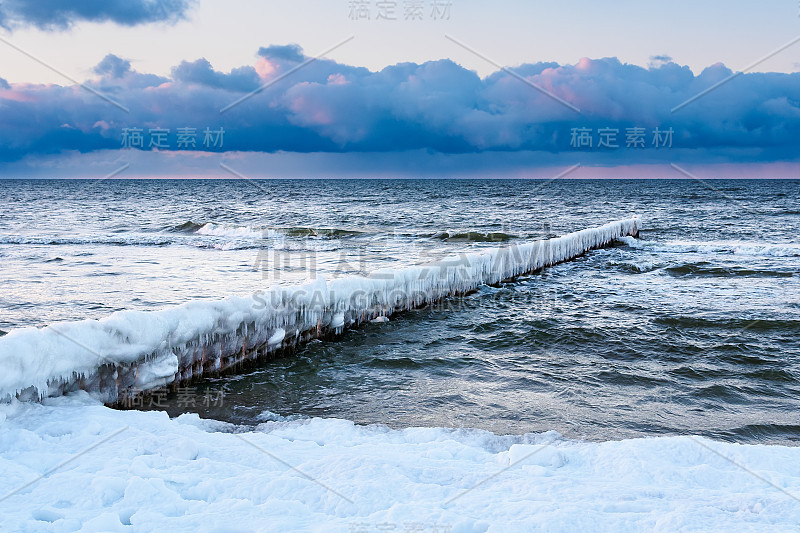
{"points": [[86, 467]]}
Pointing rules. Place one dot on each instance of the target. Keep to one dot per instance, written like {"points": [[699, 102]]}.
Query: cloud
{"points": [[113, 66], [201, 72], [4, 84], [659, 60], [437, 107], [289, 52], [117, 76], [60, 14]]}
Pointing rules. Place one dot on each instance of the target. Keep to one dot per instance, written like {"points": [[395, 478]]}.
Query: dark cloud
{"points": [[660, 59], [113, 66], [4, 84], [118, 77], [201, 72], [434, 107], [59, 14], [289, 52]]}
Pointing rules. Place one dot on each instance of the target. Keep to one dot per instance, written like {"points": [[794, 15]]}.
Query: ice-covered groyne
{"points": [[131, 352]]}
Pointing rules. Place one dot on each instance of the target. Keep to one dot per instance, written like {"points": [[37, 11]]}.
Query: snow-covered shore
{"points": [[71, 464]]}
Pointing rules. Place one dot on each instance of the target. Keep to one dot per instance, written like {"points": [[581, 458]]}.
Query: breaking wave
{"points": [[235, 231], [707, 269], [474, 236], [717, 247]]}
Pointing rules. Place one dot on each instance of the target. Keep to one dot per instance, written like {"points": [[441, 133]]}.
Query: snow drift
{"points": [[134, 351], [142, 471]]}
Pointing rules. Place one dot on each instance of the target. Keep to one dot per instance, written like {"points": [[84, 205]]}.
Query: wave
{"points": [[132, 351], [635, 267], [766, 431], [256, 232], [707, 269], [195, 240], [186, 227], [717, 247], [235, 231], [231, 231], [474, 236], [139, 239], [736, 324], [199, 235], [132, 239], [332, 233]]}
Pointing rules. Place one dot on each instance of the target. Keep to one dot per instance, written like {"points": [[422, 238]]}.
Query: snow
{"points": [[188, 474], [133, 351]]}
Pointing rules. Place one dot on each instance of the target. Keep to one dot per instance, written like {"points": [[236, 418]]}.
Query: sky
{"points": [[405, 88]]}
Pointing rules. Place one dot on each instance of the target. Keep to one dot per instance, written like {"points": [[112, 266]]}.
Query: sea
{"points": [[693, 328]]}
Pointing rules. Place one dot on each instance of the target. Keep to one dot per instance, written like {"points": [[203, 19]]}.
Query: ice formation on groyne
{"points": [[130, 352]]}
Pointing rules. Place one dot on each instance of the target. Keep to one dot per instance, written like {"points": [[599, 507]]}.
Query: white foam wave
{"points": [[237, 232], [214, 237], [717, 247], [135, 239], [130, 239]]}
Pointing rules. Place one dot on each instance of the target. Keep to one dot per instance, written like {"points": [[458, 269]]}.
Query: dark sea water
{"points": [[693, 328]]}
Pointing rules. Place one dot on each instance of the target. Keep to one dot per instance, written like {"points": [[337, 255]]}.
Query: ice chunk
{"points": [[277, 337]]}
